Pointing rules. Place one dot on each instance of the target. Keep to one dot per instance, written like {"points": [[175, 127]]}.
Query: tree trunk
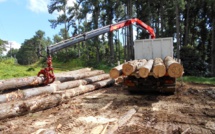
{"points": [[187, 23], [27, 93], [116, 72], [43, 102], [174, 68], [110, 37], [159, 69], [177, 30], [145, 70], [213, 46]]}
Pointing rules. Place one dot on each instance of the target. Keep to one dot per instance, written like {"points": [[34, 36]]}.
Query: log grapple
{"points": [[47, 72]]}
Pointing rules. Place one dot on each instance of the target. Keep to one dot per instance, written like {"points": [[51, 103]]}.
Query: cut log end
{"points": [[144, 72], [114, 73], [159, 71], [175, 70], [128, 69]]}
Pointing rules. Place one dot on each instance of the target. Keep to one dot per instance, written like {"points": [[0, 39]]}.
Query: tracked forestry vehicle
{"points": [[143, 49]]}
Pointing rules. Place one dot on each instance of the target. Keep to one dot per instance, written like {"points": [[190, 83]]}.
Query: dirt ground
{"points": [[190, 110]]}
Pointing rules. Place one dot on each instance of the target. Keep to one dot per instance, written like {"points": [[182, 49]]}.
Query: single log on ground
{"points": [[39, 103], [20, 82], [145, 70], [116, 72], [129, 67], [79, 76], [34, 81], [27, 93], [159, 69], [87, 88], [174, 68]]}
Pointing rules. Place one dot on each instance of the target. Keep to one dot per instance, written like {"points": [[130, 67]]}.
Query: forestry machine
{"points": [[48, 73]]}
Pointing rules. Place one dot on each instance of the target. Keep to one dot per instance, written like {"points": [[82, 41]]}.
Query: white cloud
{"points": [[2, 1], [11, 44], [70, 3], [38, 6]]}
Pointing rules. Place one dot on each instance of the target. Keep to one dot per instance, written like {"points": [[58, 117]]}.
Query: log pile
{"points": [[143, 68], [18, 100]]}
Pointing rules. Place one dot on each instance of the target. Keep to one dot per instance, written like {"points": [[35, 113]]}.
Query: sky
{"points": [[20, 19]]}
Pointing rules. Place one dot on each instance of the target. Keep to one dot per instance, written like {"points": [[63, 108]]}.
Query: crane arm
{"points": [[96, 32], [48, 72]]}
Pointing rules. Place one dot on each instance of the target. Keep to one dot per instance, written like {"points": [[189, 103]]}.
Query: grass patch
{"points": [[10, 69], [200, 80]]}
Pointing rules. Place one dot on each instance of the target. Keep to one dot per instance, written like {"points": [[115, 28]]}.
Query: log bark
{"points": [[141, 63], [129, 67], [116, 72], [20, 82], [145, 70], [79, 76], [43, 102], [159, 69], [33, 81], [27, 93], [174, 69]]}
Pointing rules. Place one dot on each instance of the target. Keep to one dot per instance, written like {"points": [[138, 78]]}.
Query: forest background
{"points": [[191, 24]]}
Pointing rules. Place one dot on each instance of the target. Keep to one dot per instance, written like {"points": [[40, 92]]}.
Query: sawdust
{"points": [[192, 110]]}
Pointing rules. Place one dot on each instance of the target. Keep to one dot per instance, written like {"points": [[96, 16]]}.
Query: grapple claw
{"points": [[47, 72]]}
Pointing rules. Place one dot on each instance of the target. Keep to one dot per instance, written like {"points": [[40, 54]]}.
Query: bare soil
{"points": [[190, 110]]}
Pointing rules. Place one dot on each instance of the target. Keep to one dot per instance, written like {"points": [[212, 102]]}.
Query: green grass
{"points": [[200, 80], [10, 69]]}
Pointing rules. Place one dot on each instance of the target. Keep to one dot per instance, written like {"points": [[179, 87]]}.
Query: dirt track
{"points": [[191, 110]]}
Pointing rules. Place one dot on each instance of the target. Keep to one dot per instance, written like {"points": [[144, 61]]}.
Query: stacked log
{"points": [[116, 72], [30, 92], [24, 100], [159, 69], [129, 67], [175, 69], [143, 68]]}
